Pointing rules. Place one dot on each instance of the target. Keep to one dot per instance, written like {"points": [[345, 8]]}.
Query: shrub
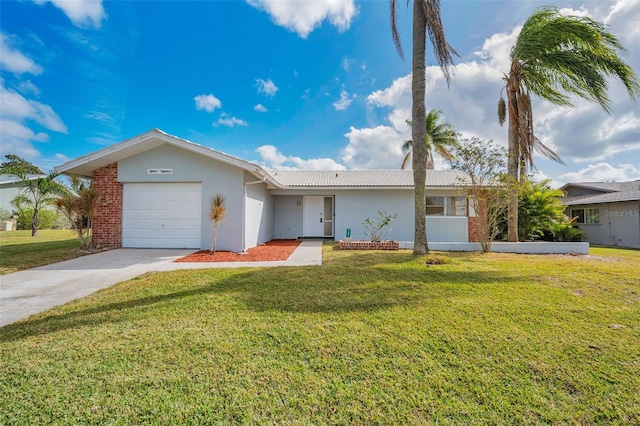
{"points": [[46, 218], [4, 214], [376, 229]]}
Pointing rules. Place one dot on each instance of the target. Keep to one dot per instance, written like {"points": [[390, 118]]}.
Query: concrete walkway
{"points": [[27, 292]]}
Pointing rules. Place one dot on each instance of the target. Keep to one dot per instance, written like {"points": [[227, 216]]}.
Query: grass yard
{"points": [[367, 338], [22, 251]]}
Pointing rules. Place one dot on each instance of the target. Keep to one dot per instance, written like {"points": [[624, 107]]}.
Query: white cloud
{"points": [[274, 159], [303, 17], [601, 172], [207, 102], [267, 87], [342, 103], [260, 108], [18, 139], [83, 13], [27, 87], [229, 121], [374, 148], [583, 133], [61, 157], [346, 63], [14, 106], [624, 16], [15, 61]]}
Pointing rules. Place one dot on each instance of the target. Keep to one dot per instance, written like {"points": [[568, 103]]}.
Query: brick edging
{"points": [[368, 245]]}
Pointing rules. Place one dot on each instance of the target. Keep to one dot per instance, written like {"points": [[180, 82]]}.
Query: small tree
{"points": [[15, 165], [376, 229], [217, 213], [78, 205], [487, 185], [36, 194]]}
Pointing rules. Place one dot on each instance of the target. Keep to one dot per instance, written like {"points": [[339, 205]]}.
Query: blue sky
{"points": [[287, 84]]}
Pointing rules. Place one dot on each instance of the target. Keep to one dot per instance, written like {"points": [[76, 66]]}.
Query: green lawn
{"points": [[22, 251], [367, 338]]}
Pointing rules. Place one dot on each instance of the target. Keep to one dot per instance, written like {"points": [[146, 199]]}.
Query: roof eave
{"points": [[82, 165]]}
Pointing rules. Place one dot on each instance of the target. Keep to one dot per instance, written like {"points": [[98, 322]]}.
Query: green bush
{"points": [[46, 218], [4, 214]]}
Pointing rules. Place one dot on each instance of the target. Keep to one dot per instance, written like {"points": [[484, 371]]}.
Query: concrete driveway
{"points": [[35, 290], [28, 292]]}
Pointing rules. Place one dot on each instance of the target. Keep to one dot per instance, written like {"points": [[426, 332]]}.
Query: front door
{"points": [[317, 216]]}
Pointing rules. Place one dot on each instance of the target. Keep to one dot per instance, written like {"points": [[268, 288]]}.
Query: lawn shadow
{"points": [[339, 288]]}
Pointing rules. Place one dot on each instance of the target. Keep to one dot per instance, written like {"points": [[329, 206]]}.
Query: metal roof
{"points": [[7, 179], [609, 197], [612, 192], [364, 178], [606, 186], [85, 165]]}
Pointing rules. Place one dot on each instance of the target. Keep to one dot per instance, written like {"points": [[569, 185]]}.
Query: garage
{"points": [[161, 215]]}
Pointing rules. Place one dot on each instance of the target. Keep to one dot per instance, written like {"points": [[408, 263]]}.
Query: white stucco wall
{"points": [[288, 216], [353, 206], [216, 177], [619, 224], [259, 210], [7, 193]]}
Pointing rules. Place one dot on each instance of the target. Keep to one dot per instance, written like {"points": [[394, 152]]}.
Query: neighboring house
{"points": [[9, 188], [155, 191], [607, 212]]}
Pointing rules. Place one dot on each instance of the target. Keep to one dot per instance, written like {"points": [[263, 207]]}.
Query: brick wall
{"points": [[473, 230], [107, 220], [368, 245]]}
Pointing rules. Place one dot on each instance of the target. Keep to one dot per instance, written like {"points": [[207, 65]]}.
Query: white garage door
{"points": [[161, 215]]}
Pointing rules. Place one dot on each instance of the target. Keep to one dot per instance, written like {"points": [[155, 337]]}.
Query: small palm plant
{"points": [[217, 213], [79, 205]]}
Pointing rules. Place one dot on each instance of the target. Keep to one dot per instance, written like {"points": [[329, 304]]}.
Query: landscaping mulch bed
{"points": [[271, 250]]}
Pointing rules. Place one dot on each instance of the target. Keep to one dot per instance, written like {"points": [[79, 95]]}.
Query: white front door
{"points": [[313, 216]]}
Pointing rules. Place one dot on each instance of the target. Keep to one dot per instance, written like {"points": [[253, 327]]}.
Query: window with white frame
{"points": [[457, 206], [446, 206], [586, 216]]}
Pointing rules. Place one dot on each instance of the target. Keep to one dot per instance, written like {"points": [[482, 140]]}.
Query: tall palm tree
{"points": [[426, 18], [555, 56], [36, 194], [440, 137]]}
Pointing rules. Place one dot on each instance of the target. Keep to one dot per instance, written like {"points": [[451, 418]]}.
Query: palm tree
{"points": [[426, 18], [555, 56], [36, 194], [217, 213], [440, 137], [79, 205]]}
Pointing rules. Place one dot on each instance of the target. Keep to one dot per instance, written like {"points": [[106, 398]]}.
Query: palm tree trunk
{"points": [[513, 164], [213, 238], [34, 222], [419, 127]]}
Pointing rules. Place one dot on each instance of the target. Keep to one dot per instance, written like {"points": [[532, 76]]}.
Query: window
{"points": [[446, 206], [457, 206], [435, 206], [587, 216]]}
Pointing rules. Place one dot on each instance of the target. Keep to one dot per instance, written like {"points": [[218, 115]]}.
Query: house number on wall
{"points": [[159, 171]]}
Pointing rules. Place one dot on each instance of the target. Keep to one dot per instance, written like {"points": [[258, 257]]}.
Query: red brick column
{"points": [[107, 220], [473, 230]]}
